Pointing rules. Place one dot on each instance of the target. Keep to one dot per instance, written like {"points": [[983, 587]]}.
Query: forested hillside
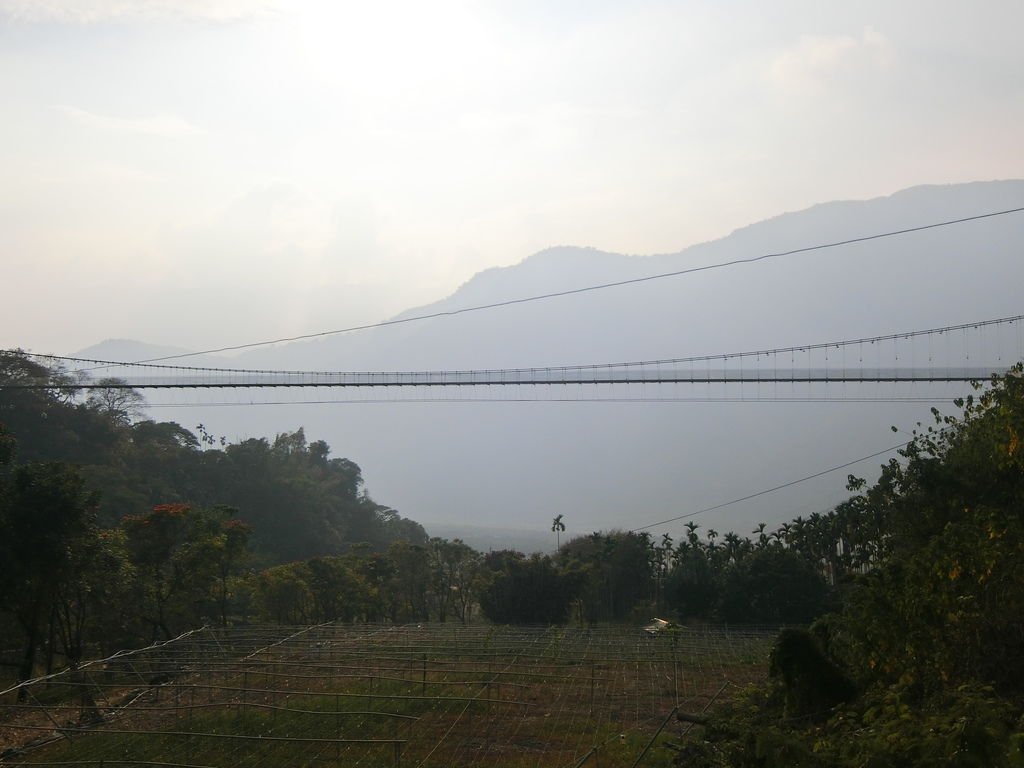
{"points": [[298, 500], [116, 530]]}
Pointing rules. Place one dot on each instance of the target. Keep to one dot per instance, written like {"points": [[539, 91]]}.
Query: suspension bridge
{"points": [[954, 354]]}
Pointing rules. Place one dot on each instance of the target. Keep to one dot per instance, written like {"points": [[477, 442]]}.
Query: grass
{"points": [[477, 696]]}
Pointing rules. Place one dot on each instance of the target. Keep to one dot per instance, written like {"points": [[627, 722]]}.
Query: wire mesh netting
{"points": [[382, 696]]}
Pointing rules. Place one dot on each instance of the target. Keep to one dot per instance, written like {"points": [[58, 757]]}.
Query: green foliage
{"points": [[693, 584], [811, 682], [409, 583], [523, 590], [932, 629], [942, 606], [299, 502], [455, 572], [772, 586], [47, 530], [744, 581], [85, 563], [615, 572], [6, 446], [185, 557]]}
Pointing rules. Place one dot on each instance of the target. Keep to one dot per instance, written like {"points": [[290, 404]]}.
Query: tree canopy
{"points": [[299, 501], [930, 621]]}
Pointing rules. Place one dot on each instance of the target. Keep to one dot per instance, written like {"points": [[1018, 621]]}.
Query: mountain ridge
{"points": [[613, 266]]}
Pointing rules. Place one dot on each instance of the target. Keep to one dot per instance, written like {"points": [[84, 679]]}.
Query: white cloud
{"points": [[90, 11], [818, 59], [164, 126]]}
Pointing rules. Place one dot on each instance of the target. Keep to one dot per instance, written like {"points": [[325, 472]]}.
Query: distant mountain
{"points": [[127, 349], [137, 351], [516, 464], [931, 278]]}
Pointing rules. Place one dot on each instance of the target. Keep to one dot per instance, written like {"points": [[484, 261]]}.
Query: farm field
{"points": [[333, 695]]}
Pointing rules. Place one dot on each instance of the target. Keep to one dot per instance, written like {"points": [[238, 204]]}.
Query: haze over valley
{"points": [[627, 464]]}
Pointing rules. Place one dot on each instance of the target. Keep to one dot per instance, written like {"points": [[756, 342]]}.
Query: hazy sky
{"points": [[201, 173]]}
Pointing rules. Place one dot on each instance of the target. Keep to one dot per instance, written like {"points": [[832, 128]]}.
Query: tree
{"points": [[454, 567], [184, 558], [228, 549], [762, 537], [929, 569], [616, 572], [662, 562], [557, 527], [96, 604], [772, 586], [692, 586], [46, 421], [942, 602], [691, 534], [283, 594], [338, 591], [527, 591], [6, 447], [115, 400], [47, 528], [409, 585]]}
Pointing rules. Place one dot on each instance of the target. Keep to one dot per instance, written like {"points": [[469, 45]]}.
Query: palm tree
{"points": [[782, 536], [691, 533], [666, 542], [762, 537], [712, 534], [663, 556], [798, 534], [557, 526], [733, 546]]}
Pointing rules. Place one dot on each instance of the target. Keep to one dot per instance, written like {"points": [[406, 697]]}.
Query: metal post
{"points": [[188, 739], [657, 733], [592, 683], [46, 712], [583, 760], [97, 687], [242, 701]]}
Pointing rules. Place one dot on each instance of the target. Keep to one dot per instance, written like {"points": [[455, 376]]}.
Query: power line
{"points": [[589, 288], [776, 488]]}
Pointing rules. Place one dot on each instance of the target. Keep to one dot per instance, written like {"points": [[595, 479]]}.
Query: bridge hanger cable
{"points": [[944, 330], [589, 288], [595, 399]]}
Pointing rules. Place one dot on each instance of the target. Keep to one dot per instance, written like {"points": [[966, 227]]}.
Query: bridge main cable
{"points": [[757, 366]]}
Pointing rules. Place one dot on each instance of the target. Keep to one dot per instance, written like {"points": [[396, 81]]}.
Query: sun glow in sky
{"points": [[208, 172]]}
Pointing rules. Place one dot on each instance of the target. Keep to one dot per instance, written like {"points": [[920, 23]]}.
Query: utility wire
{"points": [[589, 288], [776, 488]]}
